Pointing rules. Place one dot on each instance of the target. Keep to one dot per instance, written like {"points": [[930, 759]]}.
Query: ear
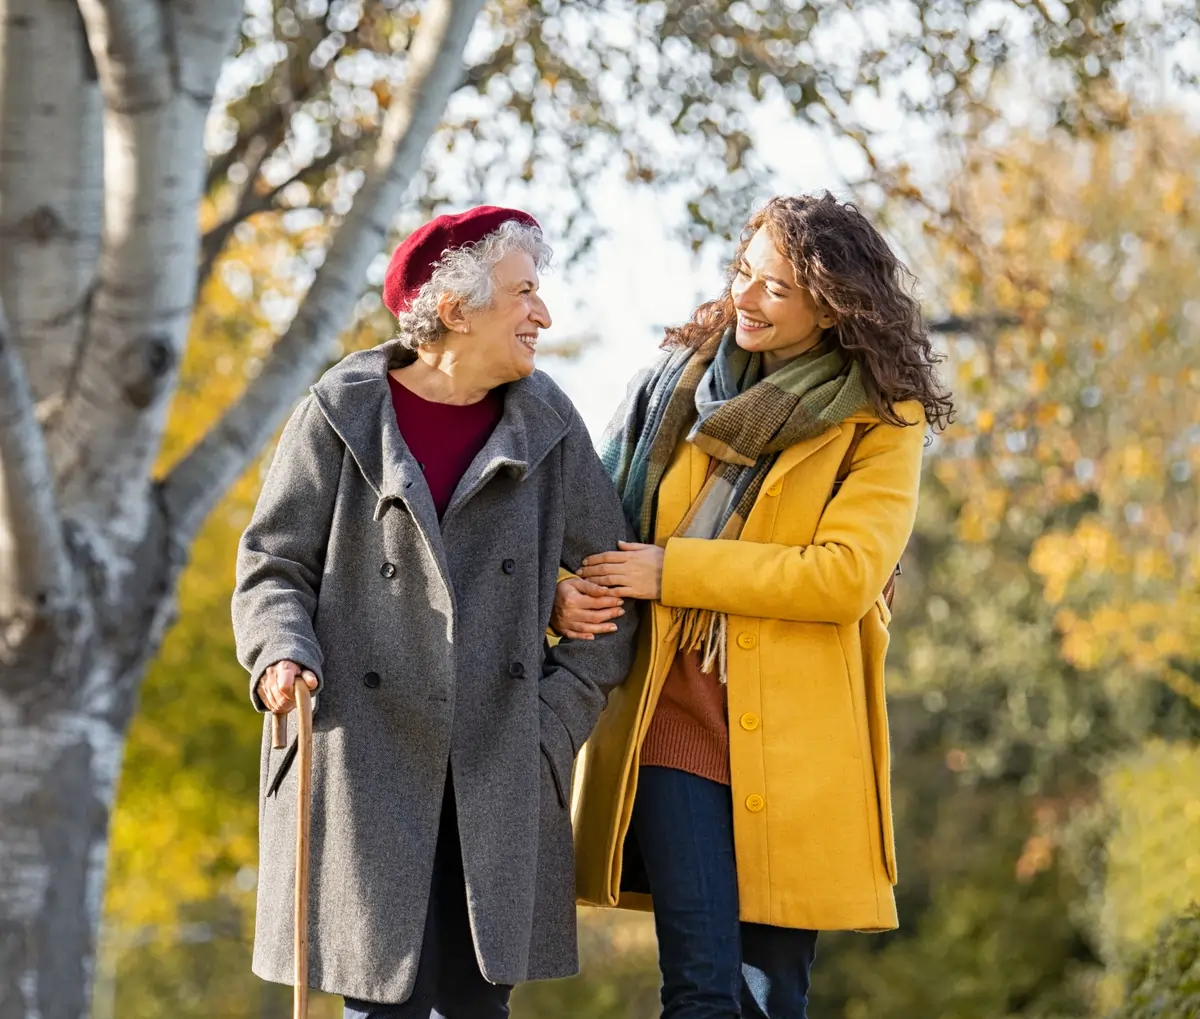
{"points": [[826, 318], [451, 313]]}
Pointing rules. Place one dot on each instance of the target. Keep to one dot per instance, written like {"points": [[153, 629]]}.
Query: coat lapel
{"points": [[689, 469], [801, 451], [528, 430], [355, 398]]}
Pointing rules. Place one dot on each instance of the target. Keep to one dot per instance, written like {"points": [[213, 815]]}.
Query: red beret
{"points": [[415, 259]]}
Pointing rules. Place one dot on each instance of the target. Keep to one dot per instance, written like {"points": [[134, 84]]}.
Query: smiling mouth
{"points": [[750, 324], [529, 341]]}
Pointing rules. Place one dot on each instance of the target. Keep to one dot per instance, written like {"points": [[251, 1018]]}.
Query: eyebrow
{"points": [[532, 284], [774, 279]]}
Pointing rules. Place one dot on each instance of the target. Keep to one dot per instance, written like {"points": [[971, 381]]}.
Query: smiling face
{"points": [[501, 340], [775, 315]]}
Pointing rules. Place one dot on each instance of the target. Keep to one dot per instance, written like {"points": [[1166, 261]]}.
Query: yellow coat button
{"points": [[747, 640], [755, 803], [750, 721], [776, 488]]}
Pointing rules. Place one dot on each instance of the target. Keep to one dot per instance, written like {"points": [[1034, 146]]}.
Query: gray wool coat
{"points": [[428, 640]]}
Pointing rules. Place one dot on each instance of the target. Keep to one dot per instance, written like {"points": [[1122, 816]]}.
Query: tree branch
{"points": [[434, 72], [34, 566], [299, 79], [128, 40], [268, 128], [200, 35], [50, 185], [970, 323], [252, 202], [108, 435]]}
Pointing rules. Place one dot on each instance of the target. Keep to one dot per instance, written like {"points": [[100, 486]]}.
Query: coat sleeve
{"points": [[282, 554], [578, 674], [858, 542]]}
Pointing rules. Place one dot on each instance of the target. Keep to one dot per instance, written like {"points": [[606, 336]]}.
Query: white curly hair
{"points": [[466, 274]]}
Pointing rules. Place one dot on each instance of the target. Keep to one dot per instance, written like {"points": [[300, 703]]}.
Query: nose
{"points": [[539, 313]]}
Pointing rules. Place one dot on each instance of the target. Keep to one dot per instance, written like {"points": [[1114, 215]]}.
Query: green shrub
{"points": [[1165, 982]]}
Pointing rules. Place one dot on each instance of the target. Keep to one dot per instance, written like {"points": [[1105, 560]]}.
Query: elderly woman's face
{"points": [[506, 334]]}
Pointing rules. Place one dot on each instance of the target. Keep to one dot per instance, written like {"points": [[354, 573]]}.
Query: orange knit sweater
{"points": [[689, 730]]}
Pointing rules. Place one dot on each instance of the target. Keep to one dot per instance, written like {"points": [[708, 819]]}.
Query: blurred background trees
{"points": [[1045, 671]]}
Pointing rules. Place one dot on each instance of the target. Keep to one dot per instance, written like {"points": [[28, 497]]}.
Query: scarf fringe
{"points": [[706, 632]]}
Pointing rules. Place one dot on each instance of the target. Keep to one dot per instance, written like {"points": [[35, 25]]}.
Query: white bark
{"points": [[109, 434], [50, 186], [132, 50], [60, 760], [34, 573], [199, 32], [434, 71]]}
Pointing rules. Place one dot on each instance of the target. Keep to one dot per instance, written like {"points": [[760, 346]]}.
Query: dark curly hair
{"points": [[841, 259]]}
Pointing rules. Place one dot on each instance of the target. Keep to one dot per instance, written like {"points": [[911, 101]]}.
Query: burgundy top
{"points": [[444, 438]]}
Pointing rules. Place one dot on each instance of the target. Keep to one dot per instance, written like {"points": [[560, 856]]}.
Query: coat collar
{"points": [[355, 398], [801, 451]]}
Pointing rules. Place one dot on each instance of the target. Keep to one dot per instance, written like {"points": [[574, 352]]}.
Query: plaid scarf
{"points": [[717, 396]]}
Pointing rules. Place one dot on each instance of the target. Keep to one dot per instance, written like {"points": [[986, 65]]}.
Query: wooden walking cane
{"points": [[303, 819]]}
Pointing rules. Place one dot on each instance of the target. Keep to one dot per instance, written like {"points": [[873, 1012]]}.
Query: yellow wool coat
{"points": [[808, 740]]}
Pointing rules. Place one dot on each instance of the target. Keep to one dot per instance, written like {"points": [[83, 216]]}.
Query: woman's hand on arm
{"points": [[634, 571], [583, 609]]}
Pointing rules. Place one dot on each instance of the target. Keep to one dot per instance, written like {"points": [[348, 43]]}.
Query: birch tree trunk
{"points": [[102, 166]]}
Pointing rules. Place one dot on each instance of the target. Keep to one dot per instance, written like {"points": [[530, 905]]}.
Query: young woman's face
{"points": [[775, 315], [505, 335]]}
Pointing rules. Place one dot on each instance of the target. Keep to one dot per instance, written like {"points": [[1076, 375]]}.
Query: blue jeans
{"points": [[449, 984], [713, 966]]}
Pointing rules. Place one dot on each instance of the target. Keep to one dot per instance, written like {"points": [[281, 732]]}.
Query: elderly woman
{"points": [[402, 560]]}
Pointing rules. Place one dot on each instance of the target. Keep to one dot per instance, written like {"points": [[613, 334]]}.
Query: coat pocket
{"points": [[555, 777], [874, 634], [558, 751]]}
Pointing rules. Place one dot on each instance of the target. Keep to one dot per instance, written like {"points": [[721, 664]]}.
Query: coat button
{"points": [[776, 488], [509, 566], [755, 803], [749, 721], [387, 571], [516, 670], [747, 640], [371, 680]]}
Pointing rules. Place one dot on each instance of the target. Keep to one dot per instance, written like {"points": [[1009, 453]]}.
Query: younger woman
{"points": [[769, 464]]}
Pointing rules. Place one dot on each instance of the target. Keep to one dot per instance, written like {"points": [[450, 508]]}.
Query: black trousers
{"points": [[449, 984]]}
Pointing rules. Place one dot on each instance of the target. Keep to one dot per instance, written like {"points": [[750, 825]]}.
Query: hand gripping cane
{"points": [[303, 816]]}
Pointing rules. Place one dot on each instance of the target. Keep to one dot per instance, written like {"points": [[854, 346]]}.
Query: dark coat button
{"points": [[516, 670], [371, 680], [387, 571], [509, 566]]}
